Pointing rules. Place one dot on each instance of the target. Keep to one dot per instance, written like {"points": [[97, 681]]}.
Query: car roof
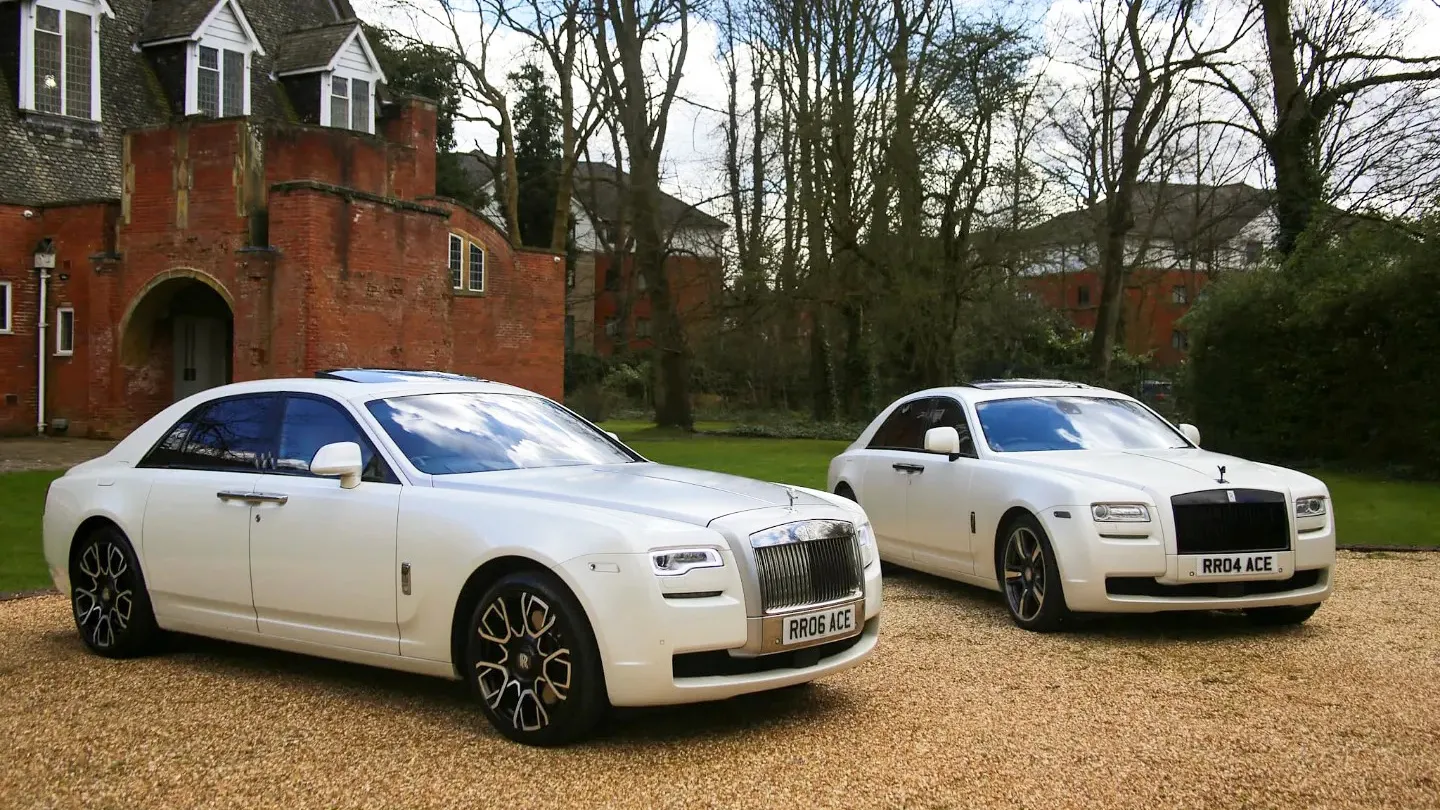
{"points": [[364, 385], [987, 390]]}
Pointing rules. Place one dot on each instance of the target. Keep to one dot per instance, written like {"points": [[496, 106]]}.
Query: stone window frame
{"points": [[7, 308], [469, 244], [93, 9], [61, 350]]}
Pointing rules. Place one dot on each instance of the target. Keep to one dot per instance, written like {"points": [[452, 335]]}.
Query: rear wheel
{"points": [[1281, 616], [1030, 577], [534, 662], [107, 594]]}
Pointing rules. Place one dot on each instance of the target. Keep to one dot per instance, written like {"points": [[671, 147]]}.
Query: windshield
{"points": [[467, 432], [1072, 423]]}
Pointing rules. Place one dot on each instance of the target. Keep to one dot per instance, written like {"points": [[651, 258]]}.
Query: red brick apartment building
{"points": [[1185, 237], [607, 308], [201, 191]]}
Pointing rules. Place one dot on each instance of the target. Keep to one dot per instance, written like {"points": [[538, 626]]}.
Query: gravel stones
{"points": [[957, 708]]}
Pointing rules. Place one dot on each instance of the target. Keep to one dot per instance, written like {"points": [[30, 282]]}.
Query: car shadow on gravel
{"points": [[1164, 627], [443, 702]]}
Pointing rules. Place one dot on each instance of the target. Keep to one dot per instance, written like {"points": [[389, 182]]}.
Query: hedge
{"points": [[1332, 358]]}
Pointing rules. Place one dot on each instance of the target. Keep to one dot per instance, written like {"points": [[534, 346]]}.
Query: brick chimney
{"points": [[409, 123]]}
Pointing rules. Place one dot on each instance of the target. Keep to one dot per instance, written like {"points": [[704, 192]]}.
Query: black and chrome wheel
{"points": [[1281, 616], [107, 592], [1030, 577], [534, 662]]}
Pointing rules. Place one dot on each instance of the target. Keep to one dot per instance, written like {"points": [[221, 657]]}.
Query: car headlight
{"points": [[676, 561], [1120, 512], [1313, 506], [865, 533]]}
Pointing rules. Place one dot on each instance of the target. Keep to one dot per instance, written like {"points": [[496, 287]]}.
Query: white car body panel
{"points": [[320, 573], [922, 520]]}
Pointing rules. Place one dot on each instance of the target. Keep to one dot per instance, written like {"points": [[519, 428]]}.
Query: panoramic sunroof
{"points": [[388, 375]]}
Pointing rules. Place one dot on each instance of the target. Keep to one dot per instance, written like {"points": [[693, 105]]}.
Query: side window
{"points": [[232, 434], [905, 428], [309, 425], [949, 413], [170, 451]]}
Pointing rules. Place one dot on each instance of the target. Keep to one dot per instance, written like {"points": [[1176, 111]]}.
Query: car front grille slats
{"points": [[813, 572], [1211, 523]]}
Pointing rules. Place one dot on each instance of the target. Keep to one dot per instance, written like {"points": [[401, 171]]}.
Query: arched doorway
{"points": [[178, 338]]}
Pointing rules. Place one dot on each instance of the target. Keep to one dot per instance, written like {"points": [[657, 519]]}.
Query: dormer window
{"points": [[330, 74], [59, 57], [217, 56]]}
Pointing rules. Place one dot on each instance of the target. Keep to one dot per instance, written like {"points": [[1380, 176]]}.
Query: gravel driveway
{"points": [[957, 708]]}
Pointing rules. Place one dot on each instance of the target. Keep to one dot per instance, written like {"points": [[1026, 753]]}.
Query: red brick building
{"points": [[607, 308], [1185, 236], [172, 218]]}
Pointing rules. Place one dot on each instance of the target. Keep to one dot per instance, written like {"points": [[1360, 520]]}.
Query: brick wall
{"points": [[347, 276], [1151, 315], [696, 284]]}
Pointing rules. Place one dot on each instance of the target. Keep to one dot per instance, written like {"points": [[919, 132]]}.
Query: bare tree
{"points": [[1344, 101], [628, 34], [466, 34], [560, 30]]}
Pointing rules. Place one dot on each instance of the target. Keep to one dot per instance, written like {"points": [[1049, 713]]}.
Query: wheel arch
{"points": [[480, 579], [997, 545], [89, 525]]}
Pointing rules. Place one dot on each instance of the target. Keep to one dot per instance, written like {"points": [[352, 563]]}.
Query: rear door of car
{"points": [[322, 558], [196, 534]]}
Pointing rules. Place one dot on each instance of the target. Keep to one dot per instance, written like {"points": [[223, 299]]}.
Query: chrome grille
{"points": [[811, 570]]}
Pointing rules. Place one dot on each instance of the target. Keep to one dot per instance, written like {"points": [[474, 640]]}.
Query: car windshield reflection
{"points": [[1028, 424], [451, 433]]}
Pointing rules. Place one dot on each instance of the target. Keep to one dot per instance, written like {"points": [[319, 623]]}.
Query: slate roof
{"points": [[599, 186], [48, 161], [312, 47], [1175, 212], [168, 19]]}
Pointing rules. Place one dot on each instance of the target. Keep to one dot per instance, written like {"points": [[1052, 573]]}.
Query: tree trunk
{"points": [[1292, 144]]}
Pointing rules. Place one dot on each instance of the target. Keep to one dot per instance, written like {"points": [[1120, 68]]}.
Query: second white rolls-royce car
{"points": [[1071, 499], [463, 529]]}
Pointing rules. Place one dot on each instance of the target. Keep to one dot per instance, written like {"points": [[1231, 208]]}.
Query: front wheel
{"points": [[533, 661], [1281, 616], [1030, 577], [108, 596]]}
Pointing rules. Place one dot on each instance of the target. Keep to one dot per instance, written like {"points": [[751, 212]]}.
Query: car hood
{"points": [[1163, 473], [690, 496]]}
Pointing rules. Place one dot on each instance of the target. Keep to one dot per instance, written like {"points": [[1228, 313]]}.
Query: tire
{"points": [[109, 599], [1030, 578], [532, 659], [1281, 616]]}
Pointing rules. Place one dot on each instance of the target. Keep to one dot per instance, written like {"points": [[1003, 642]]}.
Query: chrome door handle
{"points": [[909, 468], [253, 497]]}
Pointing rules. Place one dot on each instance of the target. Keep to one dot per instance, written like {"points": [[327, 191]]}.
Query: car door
{"points": [[891, 460], [196, 534], [939, 503], [322, 558]]}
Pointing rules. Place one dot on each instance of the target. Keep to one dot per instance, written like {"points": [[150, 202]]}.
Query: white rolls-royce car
{"points": [[463, 529], [1072, 499]]}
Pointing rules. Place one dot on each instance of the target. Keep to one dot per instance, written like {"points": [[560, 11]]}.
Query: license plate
{"points": [[806, 627], [1238, 565]]}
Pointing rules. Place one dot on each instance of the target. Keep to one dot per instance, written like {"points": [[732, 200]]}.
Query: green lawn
{"points": [[22, 500], [1372, 511]]}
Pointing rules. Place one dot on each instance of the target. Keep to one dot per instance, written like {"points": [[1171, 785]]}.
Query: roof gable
{"points": [[171, 21], [324, 49]]}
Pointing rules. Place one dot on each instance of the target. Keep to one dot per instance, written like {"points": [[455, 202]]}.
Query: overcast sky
{"points": [[694, 148]]}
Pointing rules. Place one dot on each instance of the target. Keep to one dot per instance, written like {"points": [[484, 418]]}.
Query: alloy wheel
{"points": [[105, 599], [523, 666], [1025, 574]]}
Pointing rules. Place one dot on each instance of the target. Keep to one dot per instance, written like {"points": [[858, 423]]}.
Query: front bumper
{"points": [[647, 639], [1139, 574]]}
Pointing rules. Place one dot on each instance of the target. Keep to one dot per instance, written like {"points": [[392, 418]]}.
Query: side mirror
{"points": [[942, 440], [342, 460], [1192, 433], [613, 436]]}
